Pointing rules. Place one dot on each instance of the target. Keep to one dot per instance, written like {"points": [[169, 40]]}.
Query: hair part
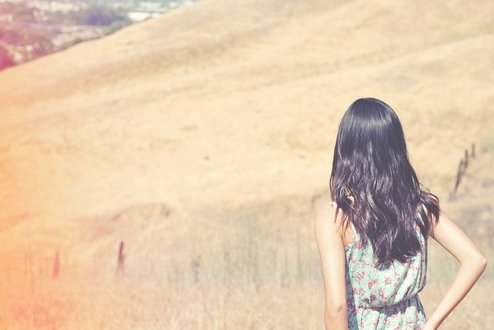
{"points": [[374, 184]]}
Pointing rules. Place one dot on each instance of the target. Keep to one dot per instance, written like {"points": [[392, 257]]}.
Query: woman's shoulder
{"points": [[329, 217], [328, 209]]}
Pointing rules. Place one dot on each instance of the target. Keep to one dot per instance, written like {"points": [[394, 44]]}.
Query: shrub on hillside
{"points": [[98, 15]]}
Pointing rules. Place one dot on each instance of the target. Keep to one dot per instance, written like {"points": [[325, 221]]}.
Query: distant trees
{"points": [[20, 11], [24, 41], [28, 32], [99, 15], [5, 59], [22, 37]]}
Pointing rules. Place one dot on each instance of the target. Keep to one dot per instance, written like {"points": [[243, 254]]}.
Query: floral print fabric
{"points": [[384, 298]]}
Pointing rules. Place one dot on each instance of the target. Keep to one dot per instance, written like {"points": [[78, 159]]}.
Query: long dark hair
{"points": [[374, 184]]}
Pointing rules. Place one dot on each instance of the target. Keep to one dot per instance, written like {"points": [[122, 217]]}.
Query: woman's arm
{"points": [[472, 262], [331, 248]]}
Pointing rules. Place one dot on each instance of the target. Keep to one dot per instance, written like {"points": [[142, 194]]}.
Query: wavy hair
{"points": [[374, 184]]}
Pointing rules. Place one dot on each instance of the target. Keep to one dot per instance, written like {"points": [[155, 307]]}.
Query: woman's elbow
{"points": [[335, 312], [479, 262], [482, 262], [335, 319]]}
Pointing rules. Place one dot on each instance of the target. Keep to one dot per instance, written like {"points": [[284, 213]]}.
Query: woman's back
{"points": [[384, 297], [378, 275]]}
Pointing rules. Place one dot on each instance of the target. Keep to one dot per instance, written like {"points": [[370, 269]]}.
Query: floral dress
{"points": [[384, 298]]}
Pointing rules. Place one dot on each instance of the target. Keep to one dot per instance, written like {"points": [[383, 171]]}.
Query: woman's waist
{"points": [[402, 304]]}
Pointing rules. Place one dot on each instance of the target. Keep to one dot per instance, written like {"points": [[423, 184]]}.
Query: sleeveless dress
{"points": [[384, 298]]}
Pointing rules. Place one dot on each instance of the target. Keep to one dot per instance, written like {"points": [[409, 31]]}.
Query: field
{"points": [[201, 140]]}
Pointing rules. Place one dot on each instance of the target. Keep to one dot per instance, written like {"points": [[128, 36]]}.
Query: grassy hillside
{"points": [[201, 138]]}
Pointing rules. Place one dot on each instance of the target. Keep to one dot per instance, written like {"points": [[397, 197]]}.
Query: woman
{"points": [[372, 239]]}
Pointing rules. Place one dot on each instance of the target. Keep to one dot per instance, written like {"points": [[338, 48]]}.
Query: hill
{"points": [[211, 129]]}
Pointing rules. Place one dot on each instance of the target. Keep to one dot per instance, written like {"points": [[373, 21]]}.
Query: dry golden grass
{"points": [[249, 267], [258, 272]]}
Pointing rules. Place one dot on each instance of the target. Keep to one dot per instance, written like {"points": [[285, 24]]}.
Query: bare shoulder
{"points": [[327, 216], [442, 226]]}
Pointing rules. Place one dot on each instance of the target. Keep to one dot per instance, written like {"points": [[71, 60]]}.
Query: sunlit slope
{"points": [[200, 139], [222, 102]]}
